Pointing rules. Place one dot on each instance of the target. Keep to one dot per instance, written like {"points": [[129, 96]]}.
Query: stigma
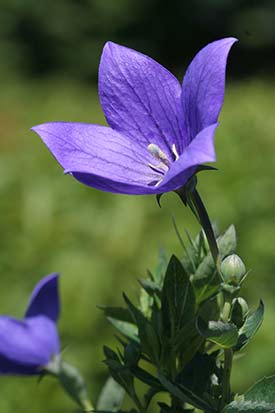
{"points": [[158, 154], [164, 162]]}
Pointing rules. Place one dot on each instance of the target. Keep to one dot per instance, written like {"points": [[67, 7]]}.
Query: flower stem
{"points": [[195, 203], [226, 391], [228, 359]]}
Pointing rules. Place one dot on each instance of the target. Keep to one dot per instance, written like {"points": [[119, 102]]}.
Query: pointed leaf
{"points": [[118, 313], [111, 396], [178, 298], [148, 337], [150, 287], [223, 334], [184, 394], [146, 378], [128, 330], [250, 327], [160, 268], [249, 407], [262, 390]]}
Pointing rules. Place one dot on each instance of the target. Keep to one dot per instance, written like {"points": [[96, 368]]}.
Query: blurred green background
{"points": [[102, 243]]}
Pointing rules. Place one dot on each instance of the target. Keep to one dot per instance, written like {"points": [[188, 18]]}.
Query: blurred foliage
{"points": [[67, 36], [102, 243]]}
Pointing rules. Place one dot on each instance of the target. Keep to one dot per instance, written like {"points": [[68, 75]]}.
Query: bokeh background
{"points": [[102, 243]]}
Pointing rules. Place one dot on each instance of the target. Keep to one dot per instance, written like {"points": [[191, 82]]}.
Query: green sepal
{"points": [[223, 334], [239, 310], [206, 280], [249, 407], [111, 396], [158, 197], [250, 327]]}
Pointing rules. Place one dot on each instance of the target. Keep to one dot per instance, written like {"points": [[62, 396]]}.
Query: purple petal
{"points": [[200, 150], [45, 299], [203, 86], [108, 159], [140, 98], [26, 346]]}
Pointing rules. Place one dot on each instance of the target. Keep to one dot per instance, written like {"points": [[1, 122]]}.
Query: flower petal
{"points": [[203, 86], [26, 346], [200, 150], [45, 299], [140, 98], [109, 158]]}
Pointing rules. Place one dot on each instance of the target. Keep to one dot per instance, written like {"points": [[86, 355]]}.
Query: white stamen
{"points": [[158, 154], [175, 152]]}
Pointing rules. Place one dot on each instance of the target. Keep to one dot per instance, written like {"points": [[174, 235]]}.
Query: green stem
{"points": [[206, 224], [228, 359], [226, 391], [195, 203]]}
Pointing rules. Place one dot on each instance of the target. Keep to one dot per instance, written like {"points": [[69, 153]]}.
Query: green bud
{"points": [[239, 311], [233, 270]]}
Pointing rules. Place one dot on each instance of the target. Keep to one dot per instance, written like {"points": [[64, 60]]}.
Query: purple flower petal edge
{"points": [[27, 346]]}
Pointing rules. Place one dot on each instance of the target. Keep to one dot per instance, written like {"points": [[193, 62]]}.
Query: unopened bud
{"points": [[239, 311], [233, 270]]}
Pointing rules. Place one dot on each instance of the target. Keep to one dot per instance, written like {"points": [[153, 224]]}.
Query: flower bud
{"points": [[239, 311], [233, 269]]}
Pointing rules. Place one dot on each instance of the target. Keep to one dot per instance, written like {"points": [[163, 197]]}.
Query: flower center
{"points": [[164, 162], [158, 154]]}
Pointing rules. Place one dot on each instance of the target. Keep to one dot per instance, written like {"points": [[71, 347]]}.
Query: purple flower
{"points": [[159, 130], [27, 345]]}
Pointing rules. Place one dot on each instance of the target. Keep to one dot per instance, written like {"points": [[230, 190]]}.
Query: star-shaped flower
{"points": [[28, 345], [160, 131]]}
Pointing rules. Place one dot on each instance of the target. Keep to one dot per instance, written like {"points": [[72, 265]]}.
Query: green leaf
{"points": [[187, 342], [250, 327], [262, 390], [146, 377], [128, 330], [148, 338], [111, 396], [160, 268], [206, 280], [223, 334], [178, 298], [117, 313], [120, 373], [249, 407], [150, 287], [184, 394], [200, 384]]}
